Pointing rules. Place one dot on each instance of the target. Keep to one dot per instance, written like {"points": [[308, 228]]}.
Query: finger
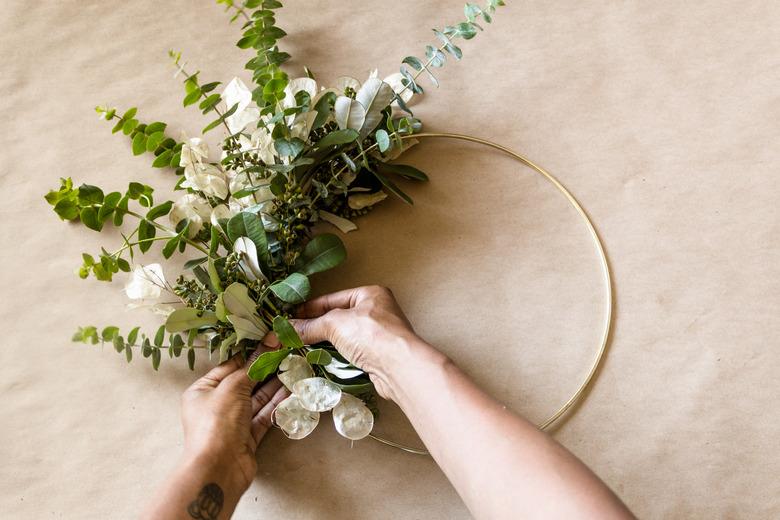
{"points": [[338, 300], [239, 379], [314, 330], [264, 394], [261, 422], [217, 374]]}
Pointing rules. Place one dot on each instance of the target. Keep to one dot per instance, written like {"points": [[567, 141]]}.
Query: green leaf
{"points": [[318, 356], [119, 344], [157, 126], [209, 103], [89, 218], [109, 333], [159, 210], [393, 188], [414, 62], [163, 160], [404, 170], [382, 140], [156, 355], [189, 264], [192, 97], [89, 195], [128, 126], [128, 353], [123, 265], [160, 336], [170, 247], [254, 230], [146, 231], [131, 112], [323, 252], [154, 140], [288, 148], [139, 143], [293, 289], [132, 336], [191, 358], [214, 276], [66, 209], [435, 56], [146, 348], [247, 329], [224, 347], [286, 333], [119, 211], [338, 137], [267, 363], [237, 302], [188, 318]]}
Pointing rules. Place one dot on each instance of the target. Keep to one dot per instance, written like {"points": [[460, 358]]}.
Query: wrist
{"points": [[210, 465], [407, 362]]}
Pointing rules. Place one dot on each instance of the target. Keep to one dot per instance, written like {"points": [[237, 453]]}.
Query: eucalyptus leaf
{"points": [[266, 364], [293, 289], [323, 252], [189, 318], [286, 333], [319, 356]]}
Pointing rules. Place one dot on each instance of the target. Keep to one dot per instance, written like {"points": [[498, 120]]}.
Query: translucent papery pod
{"points": [[352, 418], [317, 394], [293, 419], [292, 369]]}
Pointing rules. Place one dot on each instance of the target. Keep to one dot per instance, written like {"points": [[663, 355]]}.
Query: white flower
{"points": [[237, 92], [395, 81], [145, 283], [206, 178], [192, 208], [296, 85], [260, 142], [219, 212], [302, 125], [194, 151]]}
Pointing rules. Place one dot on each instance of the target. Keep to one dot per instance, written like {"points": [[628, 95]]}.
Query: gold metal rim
{"points": [[577, 395]]}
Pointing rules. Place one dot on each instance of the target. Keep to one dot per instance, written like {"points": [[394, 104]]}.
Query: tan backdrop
{"points": [[662, 117]]}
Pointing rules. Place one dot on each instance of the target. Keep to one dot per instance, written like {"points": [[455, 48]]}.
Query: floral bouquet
{"points": [[294, 154]]}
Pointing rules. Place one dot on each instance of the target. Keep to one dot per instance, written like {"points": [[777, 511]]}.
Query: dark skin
{"points": [[523, 472]]}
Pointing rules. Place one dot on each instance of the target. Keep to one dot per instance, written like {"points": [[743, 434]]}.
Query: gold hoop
{"points": [[577, 395]]}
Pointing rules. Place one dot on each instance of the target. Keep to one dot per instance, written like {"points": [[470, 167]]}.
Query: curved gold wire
{"points": [[577, 395]]}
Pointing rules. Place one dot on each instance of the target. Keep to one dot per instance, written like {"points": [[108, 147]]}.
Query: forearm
{"points": [[200, 487], [500, 464]]}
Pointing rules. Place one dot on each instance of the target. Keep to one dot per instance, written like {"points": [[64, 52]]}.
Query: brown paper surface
{"points": [[661, 117]]}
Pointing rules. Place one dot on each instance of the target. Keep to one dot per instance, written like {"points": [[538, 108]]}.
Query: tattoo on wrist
{"points": [[208, 503]]}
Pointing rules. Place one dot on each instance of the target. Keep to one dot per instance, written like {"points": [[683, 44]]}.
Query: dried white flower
{"points": [[364, 200], [293, 368], [317, 394], [145, 283], [237, 92], [192, 208]]}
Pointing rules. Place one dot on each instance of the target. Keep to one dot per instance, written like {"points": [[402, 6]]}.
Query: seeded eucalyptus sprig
{"points": [[436, 57]]}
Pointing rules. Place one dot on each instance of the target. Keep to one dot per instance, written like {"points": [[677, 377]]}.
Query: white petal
{"points": [[374, 96], [364, 200], [248, 251], [294, 368], [221, 211], [297, 85], [317, 394], [345, 82], [344, 225], [295, 421], [343, 373], [352, 418], [146, 282], [349, 113]]}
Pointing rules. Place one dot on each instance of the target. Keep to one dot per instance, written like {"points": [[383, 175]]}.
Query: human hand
{"points": [[366, 325], [224, 420]]}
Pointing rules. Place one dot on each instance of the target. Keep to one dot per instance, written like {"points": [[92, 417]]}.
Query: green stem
{"points": [[425, 67], [169, 230]]}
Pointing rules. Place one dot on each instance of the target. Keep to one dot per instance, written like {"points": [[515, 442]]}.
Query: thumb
{"points": [[313, 330]]}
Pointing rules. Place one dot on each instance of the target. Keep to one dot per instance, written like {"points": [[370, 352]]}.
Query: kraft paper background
{"points": [[661, 117]]}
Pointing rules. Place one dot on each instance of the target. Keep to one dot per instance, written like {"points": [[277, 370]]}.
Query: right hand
{"points": [[366, 326]]}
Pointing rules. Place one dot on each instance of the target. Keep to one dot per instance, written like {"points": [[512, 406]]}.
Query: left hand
{"points": [[224, 419]]}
